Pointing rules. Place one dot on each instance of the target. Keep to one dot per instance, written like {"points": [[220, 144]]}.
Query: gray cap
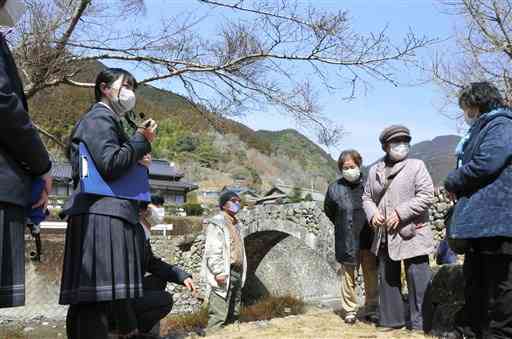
{"points": [[394, 131]]}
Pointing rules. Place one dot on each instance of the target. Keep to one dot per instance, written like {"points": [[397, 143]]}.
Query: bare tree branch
{"points": [[485, 45], [241, 66]]}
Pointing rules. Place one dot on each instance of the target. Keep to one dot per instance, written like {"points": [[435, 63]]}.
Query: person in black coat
{"points": [[102, 258], [156, 303], [343, 205], [23, 157]]}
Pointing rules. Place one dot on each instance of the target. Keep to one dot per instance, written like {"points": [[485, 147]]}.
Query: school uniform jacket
{"points": [[113, 153], [22, 153], [156, 266]]}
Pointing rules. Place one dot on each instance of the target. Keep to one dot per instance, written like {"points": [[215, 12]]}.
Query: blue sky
{"points": [[363, 118]]}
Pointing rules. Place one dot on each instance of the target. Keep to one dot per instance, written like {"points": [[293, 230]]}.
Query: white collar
{"points": [[107, 106], [147, 233]]}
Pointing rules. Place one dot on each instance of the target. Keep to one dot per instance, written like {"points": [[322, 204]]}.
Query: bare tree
{"points": [[250, 62], [484, 46]]}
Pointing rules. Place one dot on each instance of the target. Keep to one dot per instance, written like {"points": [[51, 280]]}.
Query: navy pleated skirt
{"points": [[102, 260], [12, 255]]}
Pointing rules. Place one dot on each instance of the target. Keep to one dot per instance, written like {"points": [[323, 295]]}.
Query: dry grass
{"points": [[265, 309], [186, 322], [316, 324], [272, 307], [12, 333]]}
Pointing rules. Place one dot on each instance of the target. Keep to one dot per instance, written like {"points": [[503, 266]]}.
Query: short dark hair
{"points": [[350, 153], [157, 200], [483, 95], [225, 197], [109, 76]]}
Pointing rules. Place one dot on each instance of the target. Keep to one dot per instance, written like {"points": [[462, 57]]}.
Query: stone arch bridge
{"points": [[290, 250]]}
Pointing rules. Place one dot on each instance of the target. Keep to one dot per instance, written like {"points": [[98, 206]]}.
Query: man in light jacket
{"points": [[397, 196], [225, 263]]}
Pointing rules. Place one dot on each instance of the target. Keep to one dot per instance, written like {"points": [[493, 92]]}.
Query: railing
{"points": [[59, 225]]}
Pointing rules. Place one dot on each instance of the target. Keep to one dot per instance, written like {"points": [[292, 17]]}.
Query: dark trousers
{"points": [[487, 312], [153, 306], [96, 320], [391, 304]]}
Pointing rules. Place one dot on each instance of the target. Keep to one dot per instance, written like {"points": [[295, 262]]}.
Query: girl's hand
{"points": [[148, 130], [146, 161]]}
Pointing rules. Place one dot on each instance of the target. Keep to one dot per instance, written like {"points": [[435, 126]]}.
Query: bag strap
{"points": [[389, 180]]}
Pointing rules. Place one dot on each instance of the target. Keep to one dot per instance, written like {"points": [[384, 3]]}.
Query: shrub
{"points": [[184, 323], [296, 195], [264, 309], [187, 143], [194, 209], [185, 225], [272, 307], [308, 197], [193, 197]]}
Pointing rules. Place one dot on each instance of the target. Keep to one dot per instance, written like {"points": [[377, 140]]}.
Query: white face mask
{"points": [[398, 151], [234, 207], [155, 215], [125, 99], [11, 13], [352, 174]]}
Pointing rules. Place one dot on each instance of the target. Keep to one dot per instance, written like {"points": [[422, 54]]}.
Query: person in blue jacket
{"points": [[482, 188]]}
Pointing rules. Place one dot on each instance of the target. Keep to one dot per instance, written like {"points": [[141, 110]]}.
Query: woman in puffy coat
{"points": [[482, 187], [353, 237]]}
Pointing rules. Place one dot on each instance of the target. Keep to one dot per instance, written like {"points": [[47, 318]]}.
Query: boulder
{"points": [[447, 295]]}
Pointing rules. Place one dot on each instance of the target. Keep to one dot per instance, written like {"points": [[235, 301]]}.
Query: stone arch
{"points": [[290, 250]]}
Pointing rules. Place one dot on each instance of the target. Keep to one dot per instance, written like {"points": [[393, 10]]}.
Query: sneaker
{"points": [[388, 329], [350, 319], [452, 335]]}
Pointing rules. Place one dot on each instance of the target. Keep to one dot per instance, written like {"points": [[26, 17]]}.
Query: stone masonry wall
{"points": [[186, 251], [437, 214]]}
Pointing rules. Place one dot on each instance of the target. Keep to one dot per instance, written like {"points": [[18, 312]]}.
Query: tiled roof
{"points": [[162, 168], [239, 190], [61, 170], [173, 185], [158, 168]]}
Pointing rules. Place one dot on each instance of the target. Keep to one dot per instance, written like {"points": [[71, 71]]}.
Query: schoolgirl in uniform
{"points": [[102, 261]]}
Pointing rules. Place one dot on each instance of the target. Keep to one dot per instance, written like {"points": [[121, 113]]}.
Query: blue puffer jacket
{"points": [[483, 183]]}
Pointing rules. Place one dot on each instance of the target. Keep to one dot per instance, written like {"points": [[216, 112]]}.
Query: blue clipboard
{"points": [[134, 185]]}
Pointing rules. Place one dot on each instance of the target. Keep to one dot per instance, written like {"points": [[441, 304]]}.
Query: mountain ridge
{"points": [[197, 138]]}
